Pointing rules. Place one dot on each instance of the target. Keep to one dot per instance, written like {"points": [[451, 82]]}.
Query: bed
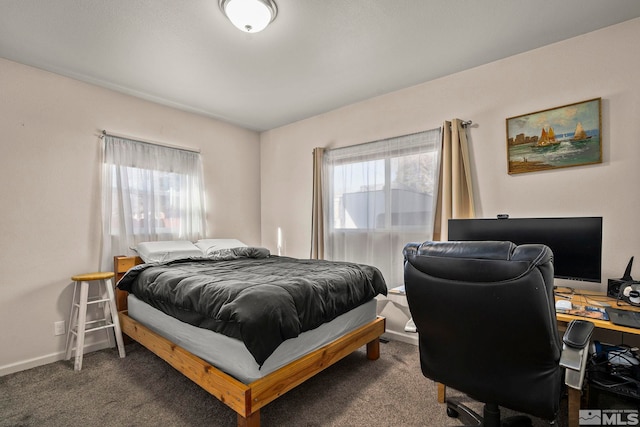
{"points": [[243, 388]]}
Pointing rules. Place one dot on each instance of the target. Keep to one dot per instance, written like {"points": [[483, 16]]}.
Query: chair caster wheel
{"points": [[452, 413]]}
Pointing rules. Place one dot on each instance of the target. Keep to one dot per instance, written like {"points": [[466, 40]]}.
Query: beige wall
{"points": [[50, 195], [604, 64], [49, 224]]}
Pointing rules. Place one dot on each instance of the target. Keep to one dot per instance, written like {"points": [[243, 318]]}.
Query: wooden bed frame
{"points": [[245, 399]]}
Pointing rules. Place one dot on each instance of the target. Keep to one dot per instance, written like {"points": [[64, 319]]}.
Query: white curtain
{"points": [[378, 197], [149, 192]]}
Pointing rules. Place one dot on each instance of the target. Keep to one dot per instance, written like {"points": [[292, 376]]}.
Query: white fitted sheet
{"points": [[230, 355]]}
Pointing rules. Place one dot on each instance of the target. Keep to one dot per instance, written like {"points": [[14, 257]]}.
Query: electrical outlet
{"points": [[59, 328]]}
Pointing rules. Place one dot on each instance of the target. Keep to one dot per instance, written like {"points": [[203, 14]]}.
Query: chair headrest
{"points": [[491, 261], [479, 250]]}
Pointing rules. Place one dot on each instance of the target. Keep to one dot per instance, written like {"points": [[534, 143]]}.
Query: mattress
{"points": [[230, 355], [252, 296]]}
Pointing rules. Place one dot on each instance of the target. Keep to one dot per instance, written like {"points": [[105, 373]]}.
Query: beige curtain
{"points": [[317, 220], [455, 193]]}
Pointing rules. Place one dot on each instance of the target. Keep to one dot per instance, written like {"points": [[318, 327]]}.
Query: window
{"points": [[380, 196], [155, 200], [150, 192]]}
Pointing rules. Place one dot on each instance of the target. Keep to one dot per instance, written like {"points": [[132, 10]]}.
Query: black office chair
{"points": [[485, 316]]}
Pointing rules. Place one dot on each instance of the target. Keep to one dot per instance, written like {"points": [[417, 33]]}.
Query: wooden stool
{"points": [[78, 325]]}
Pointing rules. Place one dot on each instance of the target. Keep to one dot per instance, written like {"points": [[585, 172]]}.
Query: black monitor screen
{"points": [[576, 242]]}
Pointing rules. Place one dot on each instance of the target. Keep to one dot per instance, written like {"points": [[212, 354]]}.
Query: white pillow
{"points": [[163, 251], [208, 246]]}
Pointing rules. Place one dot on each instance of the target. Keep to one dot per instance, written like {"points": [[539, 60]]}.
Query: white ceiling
{"points": [[316, 56]]}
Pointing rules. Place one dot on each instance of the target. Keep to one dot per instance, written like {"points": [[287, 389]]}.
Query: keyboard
{"points": [[627, 318]]}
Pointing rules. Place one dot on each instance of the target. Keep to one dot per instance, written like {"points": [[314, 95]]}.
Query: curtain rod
{"points": [[161, 144], [465, 123]]}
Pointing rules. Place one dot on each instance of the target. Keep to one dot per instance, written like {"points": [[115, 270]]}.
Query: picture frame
{"points": [[559, 137]]}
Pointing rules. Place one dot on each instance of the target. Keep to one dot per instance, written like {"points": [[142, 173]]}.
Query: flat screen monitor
{"points": [[576, 242]]}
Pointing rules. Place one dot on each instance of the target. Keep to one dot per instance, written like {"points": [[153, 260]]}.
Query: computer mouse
{"points": [[563, 304]]}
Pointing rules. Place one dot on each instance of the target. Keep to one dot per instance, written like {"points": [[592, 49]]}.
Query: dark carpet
{"points": [[143, 390]]}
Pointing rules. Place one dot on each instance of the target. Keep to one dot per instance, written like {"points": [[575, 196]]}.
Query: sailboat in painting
{"points": [[547, 140], [580, 136]]}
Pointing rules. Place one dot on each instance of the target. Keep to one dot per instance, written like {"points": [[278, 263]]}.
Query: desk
{"points": [[597, 299], [593, 299]]}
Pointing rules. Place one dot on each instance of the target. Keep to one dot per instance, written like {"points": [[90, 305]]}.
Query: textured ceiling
{"points": [[316, 56]]}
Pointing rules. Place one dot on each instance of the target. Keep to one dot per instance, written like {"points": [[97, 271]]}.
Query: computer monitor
{"points": [[576, 242]]}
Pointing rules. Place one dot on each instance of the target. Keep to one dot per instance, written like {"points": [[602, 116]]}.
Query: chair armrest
{"points": [[578, 333], [575, 351]]}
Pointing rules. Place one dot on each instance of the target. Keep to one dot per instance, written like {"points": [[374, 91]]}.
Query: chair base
{"points": [[466, 415], [490, 418]]}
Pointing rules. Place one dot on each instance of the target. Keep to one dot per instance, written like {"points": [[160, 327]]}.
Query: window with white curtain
{"points": [[378, 197], [149, 192]]}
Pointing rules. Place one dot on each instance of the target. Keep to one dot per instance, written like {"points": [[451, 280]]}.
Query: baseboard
{"points": [[409, 338], [23, 365]]}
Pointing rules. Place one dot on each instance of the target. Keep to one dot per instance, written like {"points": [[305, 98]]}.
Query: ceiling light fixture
{"points": [[250, 16]]}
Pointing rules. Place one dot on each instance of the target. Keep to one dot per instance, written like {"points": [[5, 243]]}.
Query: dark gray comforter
{"points": [[247, 294]]}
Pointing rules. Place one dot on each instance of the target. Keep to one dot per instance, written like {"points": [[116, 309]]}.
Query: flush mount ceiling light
{"points": [[249, 16]]}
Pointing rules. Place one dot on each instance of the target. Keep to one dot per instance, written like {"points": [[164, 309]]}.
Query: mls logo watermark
{"points": [[609, 417]]}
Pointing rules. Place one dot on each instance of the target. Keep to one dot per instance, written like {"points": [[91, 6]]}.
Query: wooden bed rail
{"points": [[245, 399]]}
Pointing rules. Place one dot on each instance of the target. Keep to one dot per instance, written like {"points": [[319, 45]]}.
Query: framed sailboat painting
{"points": [[559, 137]]}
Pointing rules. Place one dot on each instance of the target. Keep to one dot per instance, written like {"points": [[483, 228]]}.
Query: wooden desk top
{"points": [[595, 299]]}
